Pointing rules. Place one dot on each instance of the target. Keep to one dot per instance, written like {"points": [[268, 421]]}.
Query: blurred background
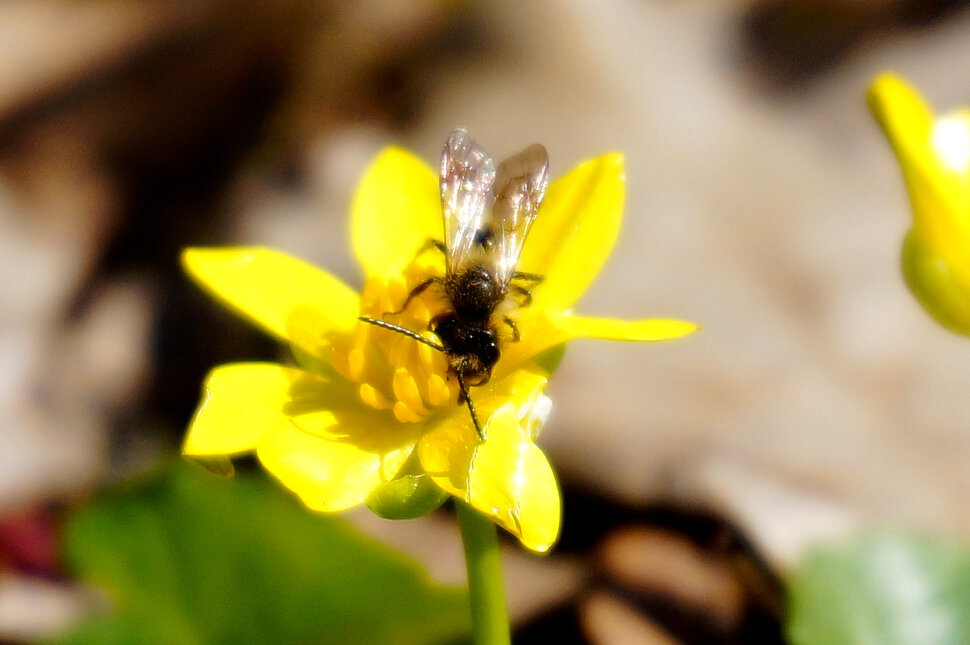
{"points": [[762, 204]]}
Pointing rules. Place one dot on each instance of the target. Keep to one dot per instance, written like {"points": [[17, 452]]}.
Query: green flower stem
{"points": [[490, 618]]}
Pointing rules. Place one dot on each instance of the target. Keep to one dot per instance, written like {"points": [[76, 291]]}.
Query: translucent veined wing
{"points": [[520, 184], [467, 175]]}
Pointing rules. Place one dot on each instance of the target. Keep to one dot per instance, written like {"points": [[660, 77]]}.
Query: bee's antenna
{"points": [[468, 401], [402, 330]]}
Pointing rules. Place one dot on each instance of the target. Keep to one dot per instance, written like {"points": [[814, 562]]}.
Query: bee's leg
{"points": [[429, 244], [402, 330], [415, 292], [524, 295], [515, 328], [533, 278], [467, 399], [525, 291]]}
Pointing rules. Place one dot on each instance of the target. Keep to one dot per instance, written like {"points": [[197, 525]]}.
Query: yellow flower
{"points": [[934, 154], [368, 412]]}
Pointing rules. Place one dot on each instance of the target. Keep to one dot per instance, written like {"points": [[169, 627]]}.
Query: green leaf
{"points": [[187, 558], [883, 589]]}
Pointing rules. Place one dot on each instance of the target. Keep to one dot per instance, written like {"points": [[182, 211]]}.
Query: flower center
{"points": [[394, 371]]}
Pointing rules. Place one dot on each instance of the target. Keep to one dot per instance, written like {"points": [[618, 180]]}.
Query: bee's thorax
{"points": [[474, 293]]}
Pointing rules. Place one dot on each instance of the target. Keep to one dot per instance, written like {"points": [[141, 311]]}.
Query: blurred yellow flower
{"points": [[368, 413], [934, 153]]}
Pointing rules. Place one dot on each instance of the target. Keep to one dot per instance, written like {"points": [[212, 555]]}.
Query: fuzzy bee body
{"points": [[466, 331]]}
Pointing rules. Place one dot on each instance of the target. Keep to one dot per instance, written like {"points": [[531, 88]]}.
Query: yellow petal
{"points": [[903, 115], [453, 434], [511, 479], [507, 477], [241, 403], [324, 466], [934, 155], [286, 297], [575, 231], [610, 329], [549, 328], [397, 209]]}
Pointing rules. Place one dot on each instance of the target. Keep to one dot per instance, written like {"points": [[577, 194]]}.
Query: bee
{"points": [[488, 212]]}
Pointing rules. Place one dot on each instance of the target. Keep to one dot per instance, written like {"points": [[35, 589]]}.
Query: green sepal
{"points": [[406, 498], [937, 284]]}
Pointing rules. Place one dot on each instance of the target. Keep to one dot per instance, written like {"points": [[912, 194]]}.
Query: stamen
{"points": [[362, 336], [338, 357], [394, 371], [426, 356], [438, 391], [401, 349], [404, 414], [373, 398], [395, 295], [355, 364], [406, 391]]}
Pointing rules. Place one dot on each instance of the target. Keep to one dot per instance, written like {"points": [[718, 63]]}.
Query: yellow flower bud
{"points": [[934, 154]]}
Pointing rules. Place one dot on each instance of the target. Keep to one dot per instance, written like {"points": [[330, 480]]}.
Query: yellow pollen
{"points": [[373, 398], [438, 391], [427, 355], [393, 371], [404, 414], [406, 390]]}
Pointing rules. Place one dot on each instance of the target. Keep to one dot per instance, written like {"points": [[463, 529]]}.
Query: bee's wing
{"points": [[467, 174], [520, 185]]}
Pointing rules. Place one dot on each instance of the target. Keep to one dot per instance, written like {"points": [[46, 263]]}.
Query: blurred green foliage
{"points": [[187, 558], [883, 589]]}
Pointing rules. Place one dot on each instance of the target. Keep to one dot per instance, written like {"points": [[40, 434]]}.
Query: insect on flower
{"points": [[407, 424], [488, 212]]}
